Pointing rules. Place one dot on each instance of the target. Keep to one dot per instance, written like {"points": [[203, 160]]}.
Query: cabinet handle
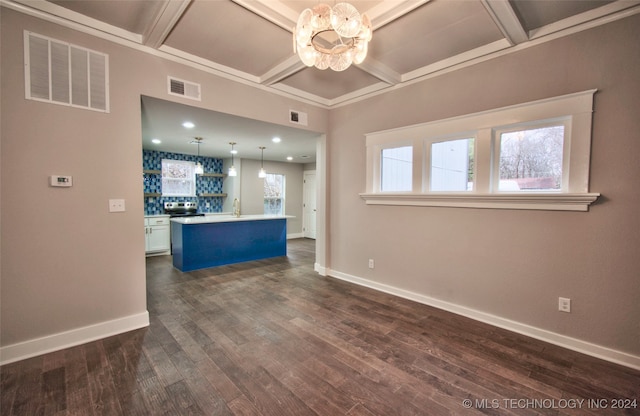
{"points": [[150, 230]]}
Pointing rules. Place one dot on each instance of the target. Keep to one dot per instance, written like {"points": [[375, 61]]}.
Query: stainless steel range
{"points": [[182, 209]]}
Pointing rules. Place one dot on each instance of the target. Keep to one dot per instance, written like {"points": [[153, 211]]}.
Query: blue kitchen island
{"points": [[216, 240]]}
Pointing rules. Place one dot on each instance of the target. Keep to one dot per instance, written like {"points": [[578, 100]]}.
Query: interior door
{"points": [[309, 204]]}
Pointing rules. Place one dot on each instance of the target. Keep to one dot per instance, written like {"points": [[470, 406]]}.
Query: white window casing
{"points": [[574, 111]]}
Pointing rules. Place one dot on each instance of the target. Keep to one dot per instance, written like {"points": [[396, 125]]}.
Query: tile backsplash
{"points": [[154, 205]]}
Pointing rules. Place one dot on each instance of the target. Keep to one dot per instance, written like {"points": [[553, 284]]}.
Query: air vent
{"points": [[297, 117], [184, 89], [60, 73]]}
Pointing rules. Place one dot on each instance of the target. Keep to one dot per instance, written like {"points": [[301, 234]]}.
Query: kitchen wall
{"points": [[252, 190], [509, 267], [154, 205]]}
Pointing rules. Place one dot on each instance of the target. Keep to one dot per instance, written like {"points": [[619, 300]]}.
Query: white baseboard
{"points": [[295, 235], [574, 344], [322, 271], [78, 336]]}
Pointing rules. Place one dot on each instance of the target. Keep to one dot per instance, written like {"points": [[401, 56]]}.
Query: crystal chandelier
{"points": [[332, 37]]}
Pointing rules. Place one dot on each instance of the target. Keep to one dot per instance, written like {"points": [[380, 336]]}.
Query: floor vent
{"points": [[183, 88]]}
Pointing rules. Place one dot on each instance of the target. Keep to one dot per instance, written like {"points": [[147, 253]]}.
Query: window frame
{"points": [[282, 197], [575, 109], [381, 165], [192, 180], [566, 149], [427, 168]]}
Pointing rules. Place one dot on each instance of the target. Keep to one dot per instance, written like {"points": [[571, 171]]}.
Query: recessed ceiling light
{"points": [[156, 141], [289, 157], [188, 125], [276, 140]]}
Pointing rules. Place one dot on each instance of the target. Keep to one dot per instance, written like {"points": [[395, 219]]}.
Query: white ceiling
{"points": [[251, 40], [163, 120]]}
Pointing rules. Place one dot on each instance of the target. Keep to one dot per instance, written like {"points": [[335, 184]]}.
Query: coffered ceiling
{"points": [[251, 40]]}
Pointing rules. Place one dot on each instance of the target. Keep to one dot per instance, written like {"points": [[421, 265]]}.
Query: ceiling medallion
{"points": [[332, 37]]}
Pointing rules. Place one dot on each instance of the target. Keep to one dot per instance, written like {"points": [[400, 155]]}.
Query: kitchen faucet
{"points": [[236, 207]]}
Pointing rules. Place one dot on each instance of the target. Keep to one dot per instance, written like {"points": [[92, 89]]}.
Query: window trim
{"points": [[577, 108]]}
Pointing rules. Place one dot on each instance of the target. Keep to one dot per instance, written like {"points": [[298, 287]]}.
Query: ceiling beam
{"points": [[272, 10], [380, 71], [164, 21], [284, 69], [506, 19], [388, 11]]}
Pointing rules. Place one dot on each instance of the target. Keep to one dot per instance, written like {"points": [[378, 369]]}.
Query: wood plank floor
{"points": [[273, 338]]}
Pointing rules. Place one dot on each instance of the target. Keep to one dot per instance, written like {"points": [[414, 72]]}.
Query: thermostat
{"points": [[62, 181]]}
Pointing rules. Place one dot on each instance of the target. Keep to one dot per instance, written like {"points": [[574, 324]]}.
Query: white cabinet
{"points": [[157, 233]]}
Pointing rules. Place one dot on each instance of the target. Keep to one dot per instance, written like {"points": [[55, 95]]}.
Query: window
{"points": [[452, 165], [274, 194], [397, 169], [178, 178], [528, 156], [531, 159]]}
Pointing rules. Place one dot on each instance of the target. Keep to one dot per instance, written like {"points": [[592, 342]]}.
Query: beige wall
{"points": [[68, 265], [508, 263]]}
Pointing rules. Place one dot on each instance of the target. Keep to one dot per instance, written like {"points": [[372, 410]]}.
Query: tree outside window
{"points": [[178, 178], [274, 194], [531, 159]]}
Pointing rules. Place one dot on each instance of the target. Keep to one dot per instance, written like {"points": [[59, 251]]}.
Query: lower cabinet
{"points": [[157, 234]]}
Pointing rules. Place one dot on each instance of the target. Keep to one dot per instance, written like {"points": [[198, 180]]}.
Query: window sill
{"points": [[530, 201]]}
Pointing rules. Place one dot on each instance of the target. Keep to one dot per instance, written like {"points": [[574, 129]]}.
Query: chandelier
{"points": [[332, 37]]}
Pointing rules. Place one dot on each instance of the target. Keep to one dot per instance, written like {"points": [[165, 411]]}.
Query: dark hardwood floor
{"points": [[274, 338]]}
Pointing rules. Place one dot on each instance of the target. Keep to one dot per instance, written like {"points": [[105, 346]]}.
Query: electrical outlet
{"points": [[371, 265], [564, 304]]}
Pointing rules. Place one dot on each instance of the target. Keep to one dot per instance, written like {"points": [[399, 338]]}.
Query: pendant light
{"points": [[232, 169], [262, 173], [199, 170]]}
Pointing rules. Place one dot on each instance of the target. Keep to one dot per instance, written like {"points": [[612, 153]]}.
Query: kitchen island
{"points": [[216, 240]]}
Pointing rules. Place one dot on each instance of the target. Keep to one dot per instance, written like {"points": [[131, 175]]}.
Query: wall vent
{"points": [[60, 73], [183, 88], [297, 117]]}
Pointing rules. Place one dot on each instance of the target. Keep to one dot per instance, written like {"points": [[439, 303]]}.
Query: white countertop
{"points": [[228, 218]]}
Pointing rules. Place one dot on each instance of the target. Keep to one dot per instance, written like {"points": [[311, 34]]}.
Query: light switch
{"points": [[116, 205]]}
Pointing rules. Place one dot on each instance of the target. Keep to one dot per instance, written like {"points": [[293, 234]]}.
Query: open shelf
{"points": [[215, 175], [212, 195]]}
